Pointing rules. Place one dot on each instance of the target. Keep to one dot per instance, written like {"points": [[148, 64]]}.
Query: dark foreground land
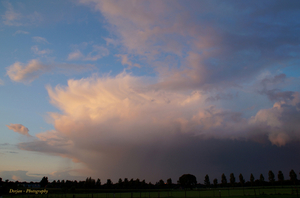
{"points": [[259, 192]]}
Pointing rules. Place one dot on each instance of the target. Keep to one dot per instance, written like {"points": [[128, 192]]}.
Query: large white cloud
{"points": [[122, 125]]}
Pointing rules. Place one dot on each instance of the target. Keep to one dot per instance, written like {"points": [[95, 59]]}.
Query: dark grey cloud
{"points": [[271, 86], [222, 96]]}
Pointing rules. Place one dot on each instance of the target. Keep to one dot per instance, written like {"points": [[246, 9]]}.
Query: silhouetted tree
{"points": [[126, 183], [98, 183], [241, 178], [89, 183], [232, 179], [188, 181], [251, 179], [109, 182], [53, 184], [215, 182], [206, 181], [293, 176], [242, 181], [224, 180], [44, 182], [261, 179], [271, 177], [280, 177], [62, 183], [161, 183], [137, 183], [169, 181], [143, 184]]}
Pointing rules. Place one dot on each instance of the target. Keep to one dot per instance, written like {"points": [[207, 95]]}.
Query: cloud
{"points": [[40, 40], [272, 86], [18, 175], [111, 121], [222, 96], [27, 73], [97, 53], [75, 55], [15, 18], [126, 61], [280, 121], [198, 45], [36, 50], [20, 32], [10, 17], [19, 128], [1, 82]]}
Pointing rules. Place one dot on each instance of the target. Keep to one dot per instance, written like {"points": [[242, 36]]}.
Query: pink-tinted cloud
{"points": [[122, 120], [18, 175], [27, 73], [198, 45], [19, 128], [15, 18], [126, 61], [97, 53]]}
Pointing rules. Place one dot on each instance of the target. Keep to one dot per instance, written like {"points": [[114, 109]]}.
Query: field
{"points": [[269, 192]]}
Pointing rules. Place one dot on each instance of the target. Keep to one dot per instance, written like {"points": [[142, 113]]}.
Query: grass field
{"points": [[287, 192]]}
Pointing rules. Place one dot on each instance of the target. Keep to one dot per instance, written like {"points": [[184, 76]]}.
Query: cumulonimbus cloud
{"points": [[19, 128], [121, 120]]}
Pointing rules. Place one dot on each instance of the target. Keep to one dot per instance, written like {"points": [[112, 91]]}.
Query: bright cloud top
{"points": [[198, 72], [19, 128], [103, 118]]}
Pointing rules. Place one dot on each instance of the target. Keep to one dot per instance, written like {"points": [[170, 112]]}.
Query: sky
{"points": [[148, 89]]}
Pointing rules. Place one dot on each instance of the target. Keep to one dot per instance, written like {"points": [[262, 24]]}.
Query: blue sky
{"points": [[109, 89]]}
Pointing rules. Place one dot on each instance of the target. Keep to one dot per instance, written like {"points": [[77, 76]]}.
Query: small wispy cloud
{"points": [[76, 55], [18, 175], [36, 50], [15, 18], [125, 61], [97, 53], [19, 128], [20, 32], [19, 72], [1, 82], [11, 17], [40, 39]]}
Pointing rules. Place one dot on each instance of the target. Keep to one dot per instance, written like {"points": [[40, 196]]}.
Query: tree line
{"points": [[261, 181], [184, 182]]}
